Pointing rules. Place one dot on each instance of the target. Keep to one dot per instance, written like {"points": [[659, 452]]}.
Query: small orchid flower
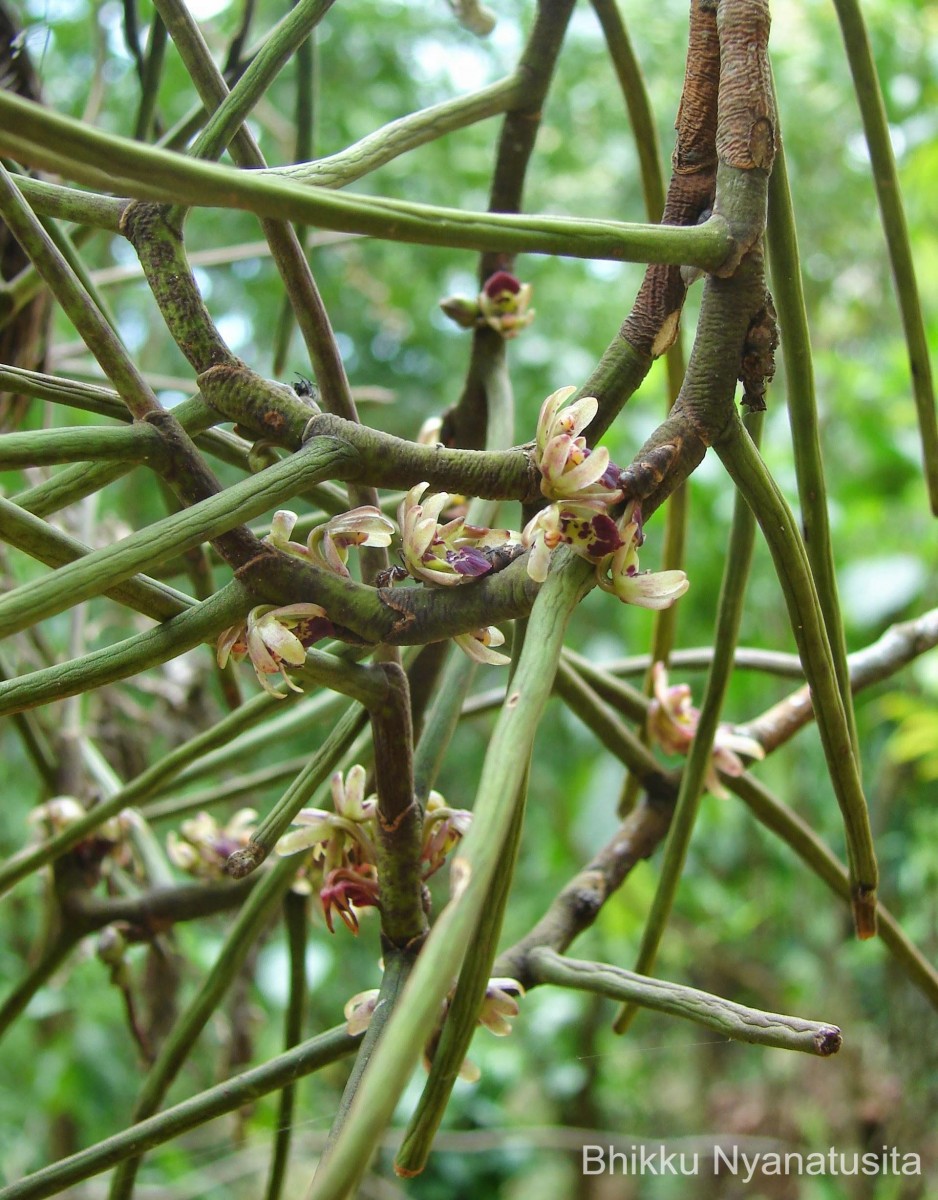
{"points": [[504, 303], [280, 529], [448, 554], [360, 1009], [423, 550], [500, 1003], [328, 544], [61, 811], [443, 828], [584, 526], [343, 844], [672, 724], [347, 888], [272, 637], [621, 576], [429, 432], [100, 848], [202, 847], [499, 1006], [342, 836], [570, 469], [56, 814], [728, 744], [462, 311], [554, 420], [478, 645], [474, 16], [672, 718]]}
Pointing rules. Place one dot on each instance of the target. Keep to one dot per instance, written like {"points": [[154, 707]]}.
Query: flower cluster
{"points": [[582, 485], [447, 554], [202, 847], [450, 554], [569, 468], [277, 638], [499, 1006], [103, 847], [672, 724], [344, 844], [504, 304]]}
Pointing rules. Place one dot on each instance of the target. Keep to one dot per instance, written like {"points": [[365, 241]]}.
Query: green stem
{"points": [[406, 133], [44, 447], [391, 462], [278, 48], [246, 929], [462, 1017], [131, 656], [441, 722], [631, 81], [69, 252], [748, 472], [294, 919], [110, 565], [471, 873], [33, 737], [37, 136], [150, 77], [284, 242], [147, 783], [72, 204], [86, 396], [466, 422], [713, 1012], [48, 963], [247, 787], [578, 694], [802, 839], [295, 714], [788, 294], [310, 1056], [68, 486], [629, 73], [622, 697], [876, 127], [397, 970], [81, 310], [700, 759]]}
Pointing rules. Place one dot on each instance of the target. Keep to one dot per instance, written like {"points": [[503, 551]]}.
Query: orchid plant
{"points": [[344, 844]]}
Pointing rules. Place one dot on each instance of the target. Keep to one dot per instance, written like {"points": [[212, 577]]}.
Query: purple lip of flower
{"points": [[606, 538], [501, 282], [610, 477], [468, 561]]}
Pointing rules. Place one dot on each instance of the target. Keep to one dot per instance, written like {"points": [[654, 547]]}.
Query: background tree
{"points": [[167, 428]]}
